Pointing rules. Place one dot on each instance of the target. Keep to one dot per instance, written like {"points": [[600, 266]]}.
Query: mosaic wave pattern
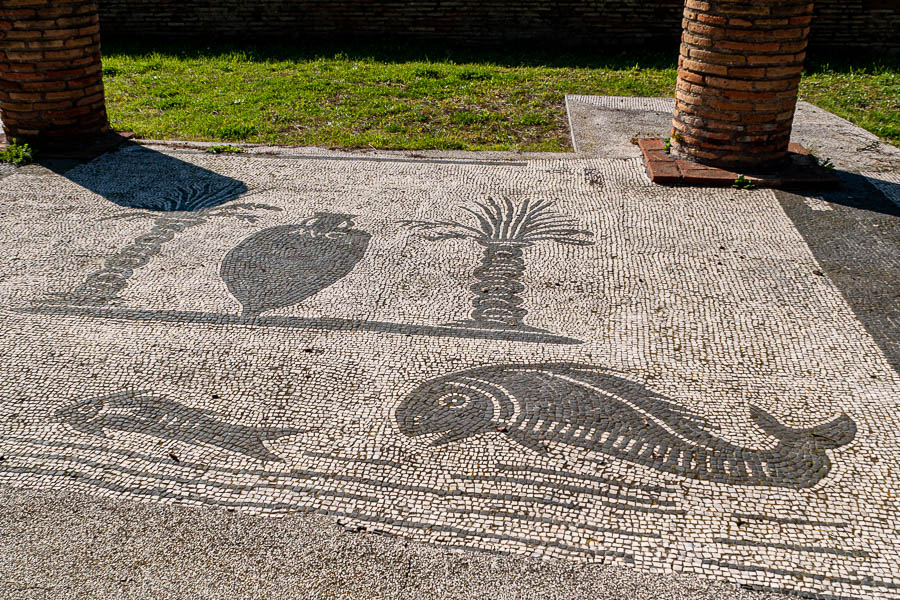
{"points": [[662, 380]]}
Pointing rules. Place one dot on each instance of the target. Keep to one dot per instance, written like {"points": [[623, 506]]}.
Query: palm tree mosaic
{"points": [[504, 229], [171, 213]]}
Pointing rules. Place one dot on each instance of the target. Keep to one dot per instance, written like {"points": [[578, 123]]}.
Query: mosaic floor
{"points": [[552, 358]]}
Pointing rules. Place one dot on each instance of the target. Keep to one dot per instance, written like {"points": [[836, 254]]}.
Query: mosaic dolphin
{"points": [[283, 265], [138, 412], [583, 406]]}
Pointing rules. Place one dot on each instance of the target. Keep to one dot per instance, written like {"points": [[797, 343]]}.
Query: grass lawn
{"points": [[402, 97]]}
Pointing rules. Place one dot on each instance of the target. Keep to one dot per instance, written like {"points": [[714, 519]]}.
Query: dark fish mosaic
{"points": [[282, 266], [139, 412], [587, 407]]}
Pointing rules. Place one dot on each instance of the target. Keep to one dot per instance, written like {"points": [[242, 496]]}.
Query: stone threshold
{"points": [[802, 170]]}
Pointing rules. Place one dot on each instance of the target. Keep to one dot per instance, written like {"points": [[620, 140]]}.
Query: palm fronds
{"points": [[510, 222]]}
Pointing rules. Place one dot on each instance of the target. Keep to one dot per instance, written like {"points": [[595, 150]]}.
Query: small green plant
{"points": [[742, 183], [17, 154], [678, 137], [667, 144], [224, 149], [826, 163]]}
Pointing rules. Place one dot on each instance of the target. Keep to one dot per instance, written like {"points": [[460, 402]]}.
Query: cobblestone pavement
{"points": [[550, 358]]}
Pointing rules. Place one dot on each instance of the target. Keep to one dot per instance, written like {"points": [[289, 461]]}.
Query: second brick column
{"points": [[738, 78]]}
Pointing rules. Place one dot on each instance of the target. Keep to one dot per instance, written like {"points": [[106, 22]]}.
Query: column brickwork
{"points": [[51, 81], [738, 77]]}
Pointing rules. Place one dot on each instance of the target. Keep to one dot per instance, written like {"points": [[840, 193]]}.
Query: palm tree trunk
{"points": [[104, 285], [497, 302]]}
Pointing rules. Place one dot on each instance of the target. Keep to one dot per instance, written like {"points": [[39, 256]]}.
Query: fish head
{"points": [[83, 416], [453, 409], [96, 415]]}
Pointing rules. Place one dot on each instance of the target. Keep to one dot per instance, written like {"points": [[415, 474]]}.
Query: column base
{"points": [[801, 170], [769, 163]]}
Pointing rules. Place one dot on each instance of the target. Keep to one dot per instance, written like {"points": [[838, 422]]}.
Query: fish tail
{"points": [[833, 434]]}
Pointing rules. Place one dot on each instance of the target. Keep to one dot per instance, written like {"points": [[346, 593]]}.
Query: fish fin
{"points": [[452, 436], [833, 434], [768, 423], [528, 442]]}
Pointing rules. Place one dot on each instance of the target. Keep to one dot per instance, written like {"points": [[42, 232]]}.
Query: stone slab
{"points": [[605, 125]]}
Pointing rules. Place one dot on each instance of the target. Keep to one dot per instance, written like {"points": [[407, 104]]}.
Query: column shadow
{"points": [[172, 195], [854, 234], [142, 178]]}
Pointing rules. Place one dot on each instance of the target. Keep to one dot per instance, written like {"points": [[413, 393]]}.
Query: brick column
{"points": [[51, 82], [738, 75]]}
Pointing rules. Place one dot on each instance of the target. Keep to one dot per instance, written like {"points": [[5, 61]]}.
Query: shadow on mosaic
{"points": [[150, 180]]}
